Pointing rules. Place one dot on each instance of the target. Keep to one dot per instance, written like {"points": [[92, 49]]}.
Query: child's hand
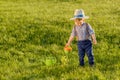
{"points": [[94, 42], [67, 45], [94, 39]]}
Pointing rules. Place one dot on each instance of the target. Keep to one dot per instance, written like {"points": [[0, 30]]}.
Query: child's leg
{"points": [[81, 53], [88, 50]]}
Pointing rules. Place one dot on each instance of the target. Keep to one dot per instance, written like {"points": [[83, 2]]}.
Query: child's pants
{"points": [[85, 46]]}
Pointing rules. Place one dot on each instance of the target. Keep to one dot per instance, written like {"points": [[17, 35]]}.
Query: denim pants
{"points": [[85, 46]]}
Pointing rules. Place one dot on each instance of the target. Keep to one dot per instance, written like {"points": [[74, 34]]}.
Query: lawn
{"points": [[33, 32]]}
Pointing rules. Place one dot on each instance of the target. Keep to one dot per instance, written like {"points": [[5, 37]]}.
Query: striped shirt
{"points": [[82, 32]]}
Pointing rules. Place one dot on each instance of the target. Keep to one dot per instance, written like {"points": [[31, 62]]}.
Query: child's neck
{"points": [[79, 24]]}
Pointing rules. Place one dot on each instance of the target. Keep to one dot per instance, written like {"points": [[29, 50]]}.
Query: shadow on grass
{"points": [[48, 72]]}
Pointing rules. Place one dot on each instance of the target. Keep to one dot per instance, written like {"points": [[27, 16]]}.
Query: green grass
{"points": [[31, 31]]}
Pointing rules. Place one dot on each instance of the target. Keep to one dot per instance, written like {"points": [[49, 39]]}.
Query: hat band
{"points": [[78, 16]]}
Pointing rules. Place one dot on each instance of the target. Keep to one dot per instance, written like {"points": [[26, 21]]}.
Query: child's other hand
{"points": [[94, 42]]}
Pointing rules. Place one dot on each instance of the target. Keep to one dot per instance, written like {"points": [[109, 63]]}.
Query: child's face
{"points": [[78, 21]]}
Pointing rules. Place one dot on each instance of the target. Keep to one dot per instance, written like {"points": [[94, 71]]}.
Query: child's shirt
{"points": [[82, 32]]}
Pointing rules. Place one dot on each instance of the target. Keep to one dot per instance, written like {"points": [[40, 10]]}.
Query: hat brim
{"points": [[86, 17]]}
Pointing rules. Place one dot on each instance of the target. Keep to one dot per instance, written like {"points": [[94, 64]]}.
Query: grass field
{"points": [[32, 31]]}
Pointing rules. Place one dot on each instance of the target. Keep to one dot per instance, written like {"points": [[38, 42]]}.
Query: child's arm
{"points": [[91, 32], [73, 34], [94, 39], [69, 41]]}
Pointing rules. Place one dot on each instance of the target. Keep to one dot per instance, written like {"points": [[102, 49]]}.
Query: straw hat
{"points": [[79, 13]]}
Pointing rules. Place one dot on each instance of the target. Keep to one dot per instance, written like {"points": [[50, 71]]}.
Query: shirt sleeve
{"points": [[73, 33], [90, 30]]}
